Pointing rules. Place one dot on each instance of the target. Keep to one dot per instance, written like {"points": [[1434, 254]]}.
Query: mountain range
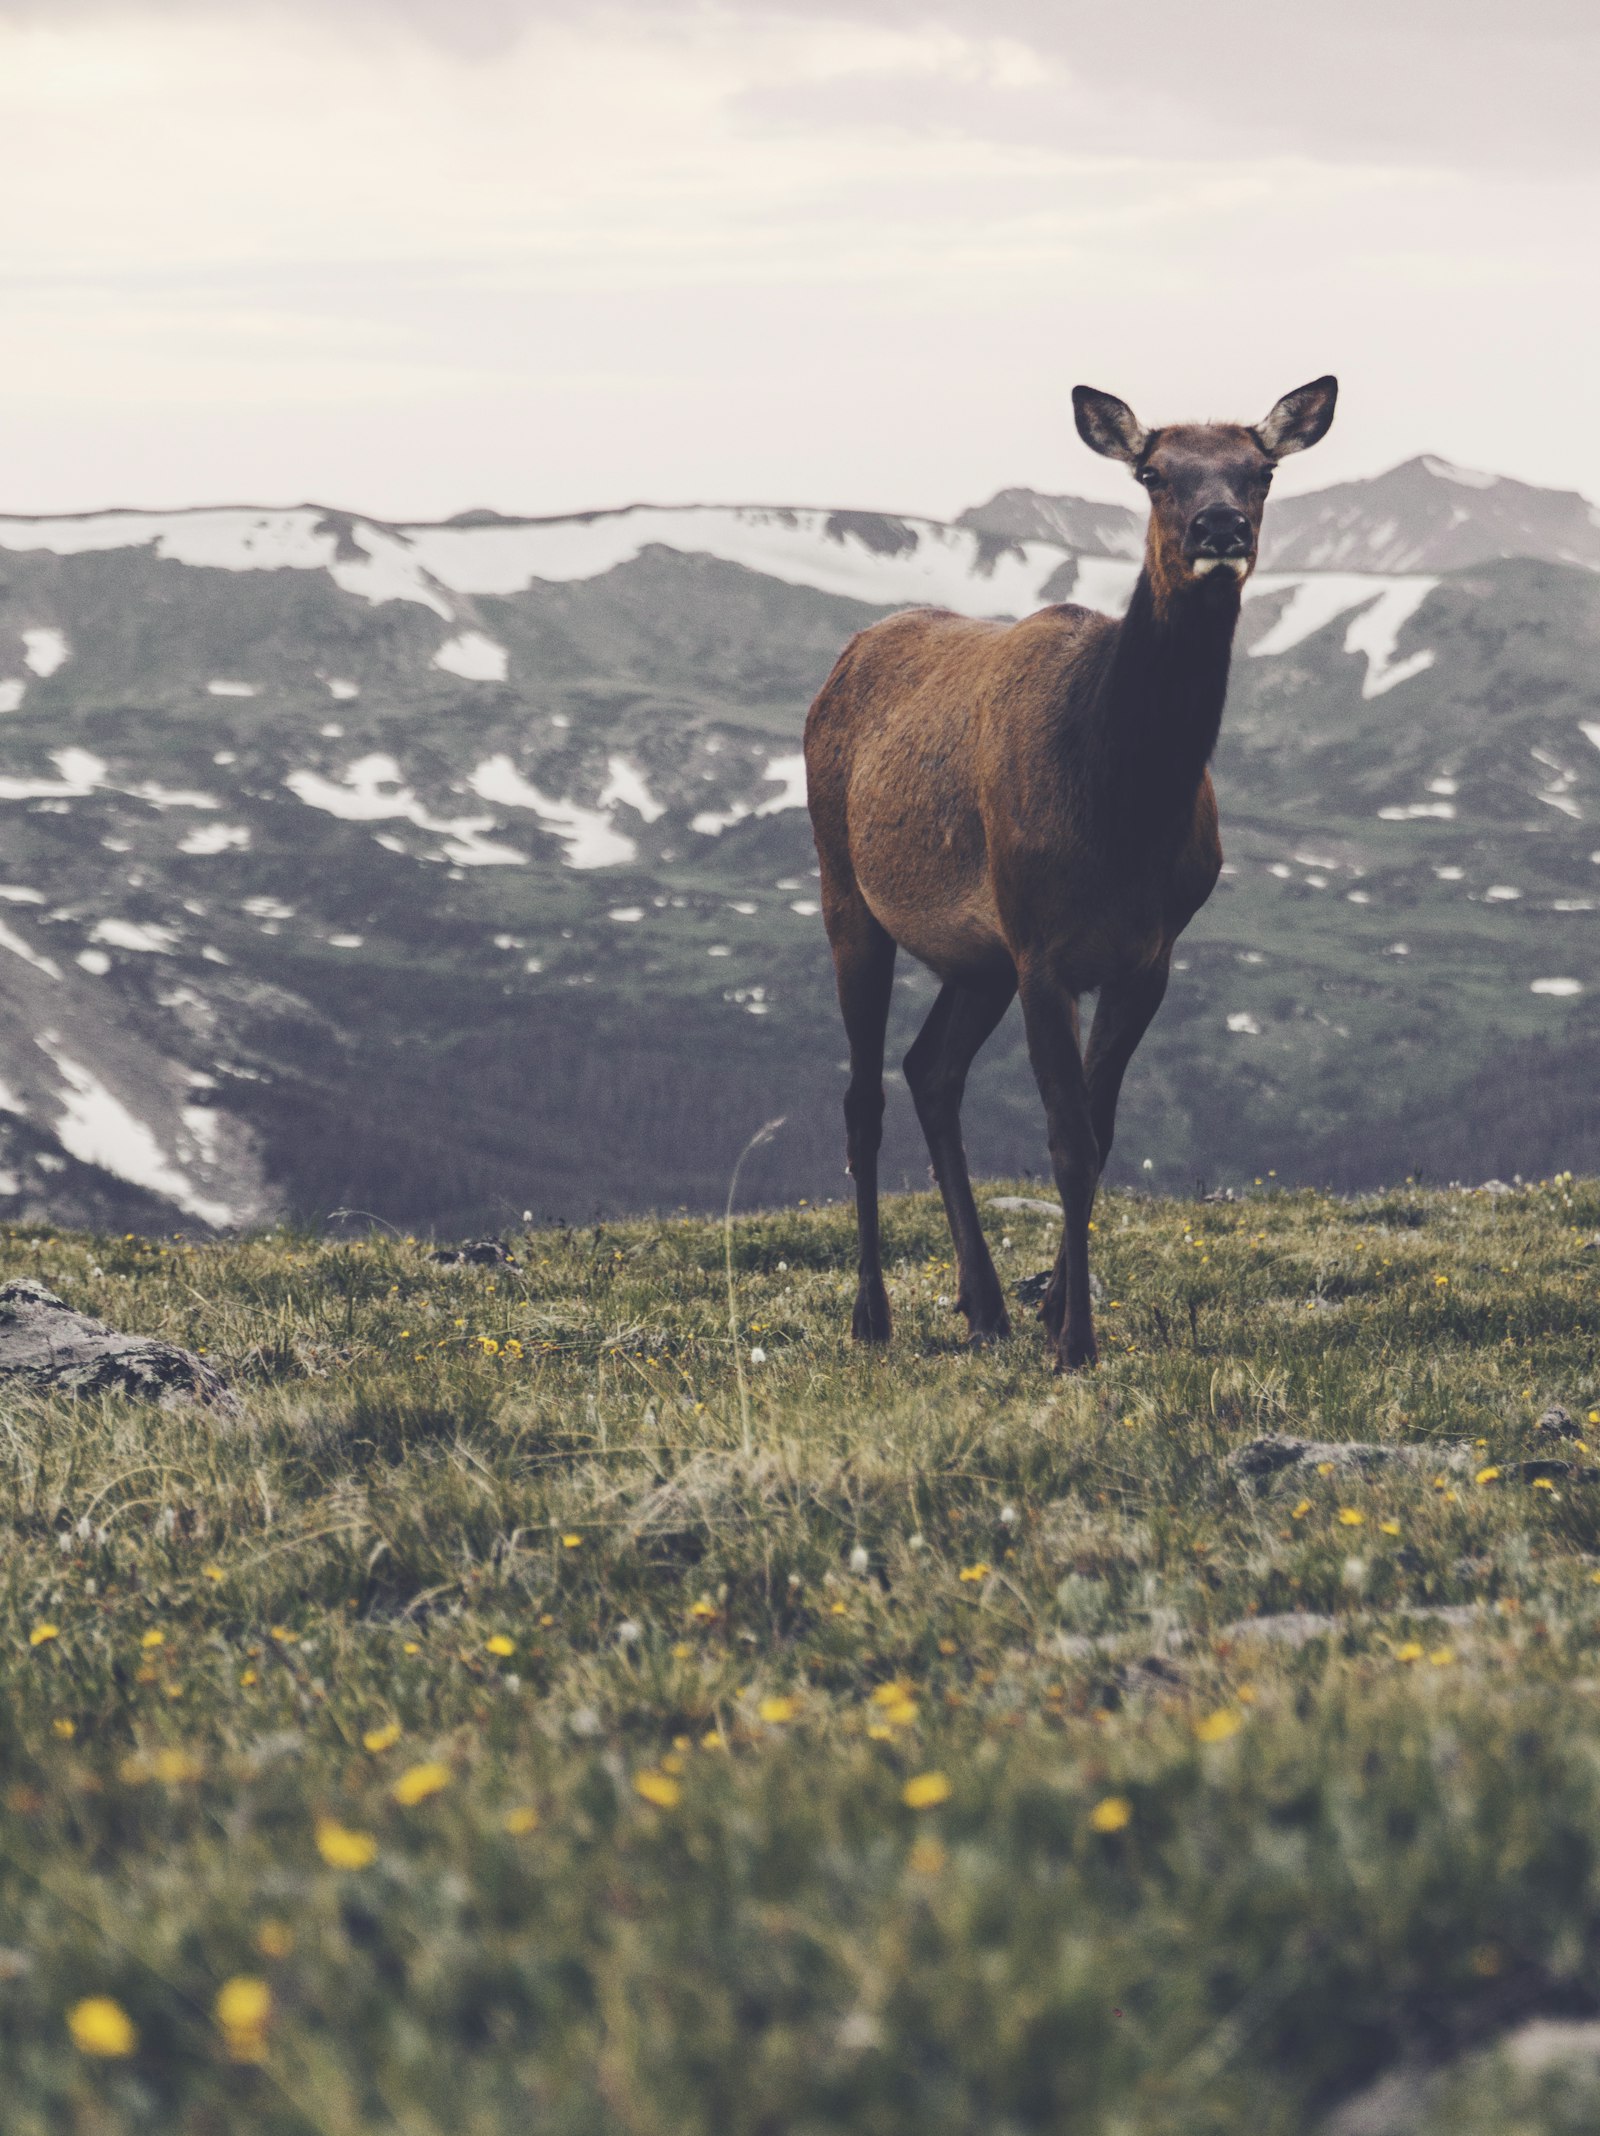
{"points": [[443, 872]]}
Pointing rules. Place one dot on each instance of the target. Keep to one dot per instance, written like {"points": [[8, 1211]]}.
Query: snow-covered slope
{"points": [[860, 556]]}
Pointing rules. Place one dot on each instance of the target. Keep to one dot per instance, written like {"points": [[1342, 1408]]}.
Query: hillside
{"points": [[443, 872], [519, 1714]]}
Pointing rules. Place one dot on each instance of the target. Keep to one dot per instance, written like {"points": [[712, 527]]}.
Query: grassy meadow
{"points": [[538, 1709]]}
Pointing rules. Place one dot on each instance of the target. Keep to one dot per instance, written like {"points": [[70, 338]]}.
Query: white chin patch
{"points": [[1238, 565]]}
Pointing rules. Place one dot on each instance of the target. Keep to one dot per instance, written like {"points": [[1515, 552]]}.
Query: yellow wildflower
{"points": [[521, 1820], [778, 1710], [153, 1638], [1351, 1516], [1217, 1727], [1300, 1511], [1411, 1651], [102, 2027], [65, 1729], [925, 1790], [1441, 1657], [242, 2008], [384, 1738], [42, 1632], [1389, 1527], [659, 1788], [1543, 1483], [902, 1713], [499, 1644], [341, 1848], [892, 1694], [1324, 1468], [705, 1607], [1111, 1815], [212, 1572], [418, 1782], [571, 1542], [975, 1572], [1487, 1475]]}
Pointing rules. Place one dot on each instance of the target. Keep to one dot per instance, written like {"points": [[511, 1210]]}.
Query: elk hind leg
{"points": [[863, 956], [1050, 1014], [936, 1069]]}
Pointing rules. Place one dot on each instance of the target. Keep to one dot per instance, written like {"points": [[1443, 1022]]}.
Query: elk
{"points": [[1026, 809]]}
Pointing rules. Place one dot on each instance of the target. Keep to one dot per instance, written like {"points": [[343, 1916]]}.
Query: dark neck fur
{"points": [[1161, 703]]}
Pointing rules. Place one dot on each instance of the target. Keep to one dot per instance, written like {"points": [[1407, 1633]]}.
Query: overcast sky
{"points": [[415, 255]]}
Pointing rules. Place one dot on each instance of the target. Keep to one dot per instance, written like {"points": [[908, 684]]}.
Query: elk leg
{"points": [[863, 958], [1050, 1015], [936, 1068], [1121, 1018]]}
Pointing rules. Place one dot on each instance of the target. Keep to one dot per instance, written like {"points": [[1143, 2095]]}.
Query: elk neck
{"points": [[1161, 707]]}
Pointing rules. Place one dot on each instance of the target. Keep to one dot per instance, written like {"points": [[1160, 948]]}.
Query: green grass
{"points": [[1366, 1858]]}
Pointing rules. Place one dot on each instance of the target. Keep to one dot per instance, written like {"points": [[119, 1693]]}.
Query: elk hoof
{"points": [[870, 1320], [990, 1325], [1077, 1353]]}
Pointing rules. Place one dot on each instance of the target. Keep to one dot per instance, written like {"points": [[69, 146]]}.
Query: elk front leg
{"points": [[1121, 1018], [1050, 1016]]}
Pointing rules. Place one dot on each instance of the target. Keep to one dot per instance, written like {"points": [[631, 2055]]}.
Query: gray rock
{"points": [[1558, 1422], [1415, 2100], [45, 1345], [475, 1253], [1278, 1453], [1288, 1627], [1024, 1205]]}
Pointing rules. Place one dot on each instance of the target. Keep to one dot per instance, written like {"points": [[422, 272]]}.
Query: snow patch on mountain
{"points": [[359, 796], [45, 649], [97, 1128], [789, 772], [10, 939], [129, 934], [589, 834], [1466, 477], [1385, 604], [625, 783], [472, 655], [209, 838], [81, 773]]}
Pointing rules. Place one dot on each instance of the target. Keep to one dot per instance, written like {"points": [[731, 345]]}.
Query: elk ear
{"points": [[1300, 419], [1108, 425]]}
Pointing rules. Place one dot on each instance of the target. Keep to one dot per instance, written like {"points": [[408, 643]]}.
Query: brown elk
{"points": [[1026, 808]]}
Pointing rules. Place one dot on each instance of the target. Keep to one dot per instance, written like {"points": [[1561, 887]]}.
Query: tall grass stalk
{"points": [[762, 1134]]}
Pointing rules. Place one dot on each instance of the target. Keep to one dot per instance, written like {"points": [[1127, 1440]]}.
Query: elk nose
{"points": [[1219, 530]]}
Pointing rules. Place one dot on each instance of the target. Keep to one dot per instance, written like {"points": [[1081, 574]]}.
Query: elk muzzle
{"points": [[1220, 537]]}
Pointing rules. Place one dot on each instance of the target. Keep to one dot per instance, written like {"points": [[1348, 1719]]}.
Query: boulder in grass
{"points": [[46, 1346], [1278, 1453], [475, 1253]]}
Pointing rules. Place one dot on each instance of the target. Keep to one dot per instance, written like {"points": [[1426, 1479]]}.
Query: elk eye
{"points": [[1149, 477]]}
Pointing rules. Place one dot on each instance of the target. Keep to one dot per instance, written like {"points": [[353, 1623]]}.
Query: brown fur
{"points": [[1026, 808]]}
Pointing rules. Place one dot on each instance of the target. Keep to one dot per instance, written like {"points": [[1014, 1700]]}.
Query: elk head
{"points": [[1207, 482]]}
